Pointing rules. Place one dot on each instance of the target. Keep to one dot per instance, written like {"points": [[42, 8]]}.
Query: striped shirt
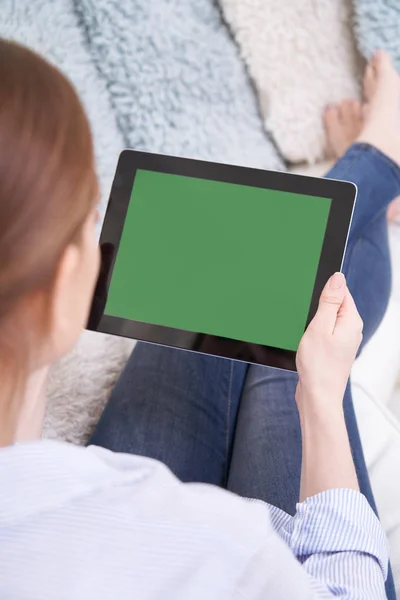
{"points": [[86, 523]]}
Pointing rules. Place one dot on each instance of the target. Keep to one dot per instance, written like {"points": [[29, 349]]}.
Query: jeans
{"points": [[236, 425]]}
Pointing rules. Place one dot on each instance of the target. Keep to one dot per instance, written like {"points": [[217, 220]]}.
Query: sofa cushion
{"points": [[380, 435], [373, 380]]}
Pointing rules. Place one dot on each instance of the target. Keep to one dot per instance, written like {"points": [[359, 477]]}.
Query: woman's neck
{"points": [[31, 415]]}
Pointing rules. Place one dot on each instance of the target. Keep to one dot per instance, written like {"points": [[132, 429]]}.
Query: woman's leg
{"points": [[177, 407], [181, 408], [367, 262]]}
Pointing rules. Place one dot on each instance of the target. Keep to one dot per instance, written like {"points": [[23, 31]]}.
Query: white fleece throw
{"points": [[301, 55]]}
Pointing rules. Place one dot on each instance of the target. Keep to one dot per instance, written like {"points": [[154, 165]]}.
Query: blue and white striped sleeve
{"points": [[340, 542]]}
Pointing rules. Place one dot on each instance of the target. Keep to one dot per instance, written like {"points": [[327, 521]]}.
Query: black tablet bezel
{"points": [[341, 193]]}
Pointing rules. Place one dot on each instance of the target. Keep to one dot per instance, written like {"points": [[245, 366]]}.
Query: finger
{"points": [[330, 303], [348, 318]]}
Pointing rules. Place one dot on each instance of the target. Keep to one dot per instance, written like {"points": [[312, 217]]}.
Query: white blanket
{"points": [[301, 55]]}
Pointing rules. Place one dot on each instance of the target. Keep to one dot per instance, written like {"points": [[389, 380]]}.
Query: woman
{"points": [[90, 523]]}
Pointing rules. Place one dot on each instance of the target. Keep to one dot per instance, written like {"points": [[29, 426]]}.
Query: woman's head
{"points": [[48, 196]]}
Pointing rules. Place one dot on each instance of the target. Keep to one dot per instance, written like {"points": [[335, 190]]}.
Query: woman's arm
{"points": [[334, 534], [325, 357], [327, 462], [340, 544]]}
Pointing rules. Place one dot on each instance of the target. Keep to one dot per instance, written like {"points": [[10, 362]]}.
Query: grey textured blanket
{"points": [[176, 81]]}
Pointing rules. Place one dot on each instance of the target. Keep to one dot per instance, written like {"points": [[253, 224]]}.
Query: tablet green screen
{"points": [[218, 258]]}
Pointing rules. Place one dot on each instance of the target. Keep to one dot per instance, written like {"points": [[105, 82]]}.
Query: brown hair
{"points": [[48, 186]]}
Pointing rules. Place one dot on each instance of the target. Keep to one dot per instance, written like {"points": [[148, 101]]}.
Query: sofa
{"points": [[177, 93]]}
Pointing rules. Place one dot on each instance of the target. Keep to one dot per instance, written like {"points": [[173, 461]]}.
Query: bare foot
{"points": [[376, 122], [393, 213], [343, 124], [381, 126]]}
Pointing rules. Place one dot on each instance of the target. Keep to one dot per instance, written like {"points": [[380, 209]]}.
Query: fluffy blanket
{"points": [[175, 79], [377, 25], [301, 56]]}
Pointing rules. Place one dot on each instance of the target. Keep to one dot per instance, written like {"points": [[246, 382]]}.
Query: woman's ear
{"points": [[65, 320], [73, 289]]}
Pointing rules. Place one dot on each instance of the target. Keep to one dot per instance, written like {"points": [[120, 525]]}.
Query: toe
{"points": [[394, 210], [359, 117], [364, 111], [357, 120], [369, 81], [333, 130], [346, 114], [357, 109], [381, 60], [331, 117], [384, 67], [385, 81]]}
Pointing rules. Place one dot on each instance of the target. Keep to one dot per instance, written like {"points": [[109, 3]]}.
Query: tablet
{"points": [[216, 258]]}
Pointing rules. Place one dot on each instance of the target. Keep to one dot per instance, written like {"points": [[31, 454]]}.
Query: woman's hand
{"points": [[328, 347]]}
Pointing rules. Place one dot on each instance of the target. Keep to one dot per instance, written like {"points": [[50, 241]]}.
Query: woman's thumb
{"points": [[330, 302]]}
